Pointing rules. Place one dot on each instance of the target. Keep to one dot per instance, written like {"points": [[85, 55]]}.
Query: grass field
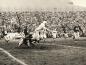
{"points": [[48, 52]]}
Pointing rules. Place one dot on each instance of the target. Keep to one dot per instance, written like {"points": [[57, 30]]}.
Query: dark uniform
{"points": [[64, 31], [28, 39], [25, 31], [3, 33], [77, 30]]}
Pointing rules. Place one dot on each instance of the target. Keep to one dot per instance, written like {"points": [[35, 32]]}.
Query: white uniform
{"points": [[43, 34], [13, 36], [37, 30], [36, 35], [66, 35], [76, 34], [54, 34], [41, 26]]}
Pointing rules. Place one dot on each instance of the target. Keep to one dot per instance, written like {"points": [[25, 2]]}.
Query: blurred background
{"points": [[16, 14]]}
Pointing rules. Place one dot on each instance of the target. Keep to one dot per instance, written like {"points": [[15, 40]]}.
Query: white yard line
{"points": [[12, 57]]}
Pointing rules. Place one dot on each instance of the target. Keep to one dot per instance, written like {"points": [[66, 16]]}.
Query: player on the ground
{"points": [[30, 38]]}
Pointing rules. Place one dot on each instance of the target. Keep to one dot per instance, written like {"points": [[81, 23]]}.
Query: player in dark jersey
{"points": [[77, 29]]}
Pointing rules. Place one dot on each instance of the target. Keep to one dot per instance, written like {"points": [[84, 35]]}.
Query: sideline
{"points": [[12, 57]]}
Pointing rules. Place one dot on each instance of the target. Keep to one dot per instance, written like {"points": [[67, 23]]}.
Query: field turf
{"points": [[47, 52]]}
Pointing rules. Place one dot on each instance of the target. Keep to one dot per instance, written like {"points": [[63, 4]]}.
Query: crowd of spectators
{"points": [[12, 21]]}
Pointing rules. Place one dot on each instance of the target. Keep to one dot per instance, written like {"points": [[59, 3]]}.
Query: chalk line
{"points": [[12, 57]]}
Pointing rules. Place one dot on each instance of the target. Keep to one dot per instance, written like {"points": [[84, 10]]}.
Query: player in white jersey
{"points": [[41, 26]]}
